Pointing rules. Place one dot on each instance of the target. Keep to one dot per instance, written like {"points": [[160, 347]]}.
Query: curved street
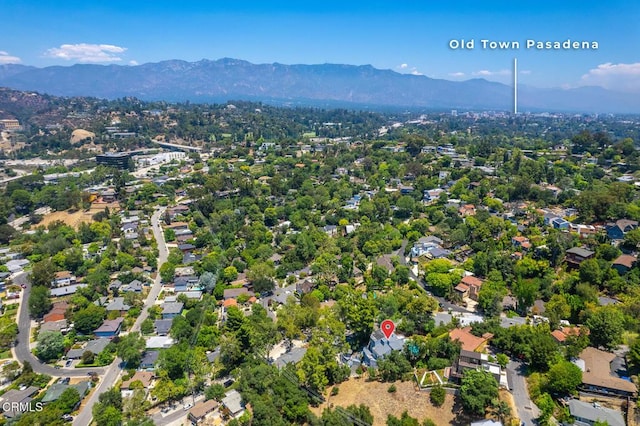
{"points": [[22, 352]]}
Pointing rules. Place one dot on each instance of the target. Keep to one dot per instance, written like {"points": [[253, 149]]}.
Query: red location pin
{"points": [[387, 327]]}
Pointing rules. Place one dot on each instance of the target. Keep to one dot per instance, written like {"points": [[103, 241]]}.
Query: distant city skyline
{"points": [[407, 36]]}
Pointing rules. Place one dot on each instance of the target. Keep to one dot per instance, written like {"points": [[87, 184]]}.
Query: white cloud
{"points": [[487, 73], [5, 58], [132, 62], [525, 72], [85, 52], [414, 71], [456, 74], [623, 77], [403, 66]]}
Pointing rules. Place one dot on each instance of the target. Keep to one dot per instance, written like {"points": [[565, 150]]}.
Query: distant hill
{"points": [[317, 85]]}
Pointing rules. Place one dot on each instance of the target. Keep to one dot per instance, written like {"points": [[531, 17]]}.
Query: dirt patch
{"points": [[382, 403], [74, 218], [507, 397]]}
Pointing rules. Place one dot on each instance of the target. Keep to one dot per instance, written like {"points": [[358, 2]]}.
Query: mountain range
{"points": [[317, 85]]}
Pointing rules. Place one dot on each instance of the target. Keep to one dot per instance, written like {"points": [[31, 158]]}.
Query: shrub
{"points": [[437, 395]]}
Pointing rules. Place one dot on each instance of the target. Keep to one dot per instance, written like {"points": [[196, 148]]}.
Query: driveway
{"points": [[527, 410]]}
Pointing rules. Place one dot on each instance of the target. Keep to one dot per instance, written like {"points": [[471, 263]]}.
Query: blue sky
{"points": [[406, 36]]}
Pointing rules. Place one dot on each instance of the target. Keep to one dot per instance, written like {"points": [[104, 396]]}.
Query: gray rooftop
{"points": [[593, 412], [172, 308], [96, 346], [292, 357], [579, 251]]}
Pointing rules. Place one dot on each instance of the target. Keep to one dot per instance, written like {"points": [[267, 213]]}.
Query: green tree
{"points": [[167, 272], [393, 367], [404, 420], [564, 377], [229, 273], [88, 357], [39, 301], [478, 391], [42, 273], [88, 319], [50, 345], [130, 348], [606, 324], [69, 398], [437, 395]]}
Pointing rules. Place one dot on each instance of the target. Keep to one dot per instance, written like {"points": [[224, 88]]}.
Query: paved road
{"points": [[527, 410], [163, 254], [114, 370], [22, 352]]}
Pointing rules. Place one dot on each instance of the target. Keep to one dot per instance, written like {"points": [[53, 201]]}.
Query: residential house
{"points": [[200, 411], [423, 245], [467, 210], [115, 285], [13, 400], [57, 312], [304, 287], [63, 278], [59, 326], [57, 389], [293, 356], [144, 377], [95, 346], [617, 230], [162, 327], [108, 195], [330, 230], [178, 226], [159, 342], [276, 259], [560, 223], [66, 290], [438, 253], [469, 286], [576, 255], [109, 328], [624, 263], [521, 242], [184, 283], [469, 341], [486, 422], [599, 377], [134, 286], [186, 247], [379, 347], [232, 404], [118, 305], [563, 333], [183, 235], [470, 360], [172, 309], [590, 413], [233, 293], [430, 195], [149, 360]]}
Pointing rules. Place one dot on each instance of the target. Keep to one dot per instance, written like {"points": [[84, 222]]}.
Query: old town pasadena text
{"points": [[486, 44]]}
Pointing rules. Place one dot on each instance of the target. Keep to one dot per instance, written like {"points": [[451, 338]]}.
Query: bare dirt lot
{"points": [[382, 403], [72, 219]]}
